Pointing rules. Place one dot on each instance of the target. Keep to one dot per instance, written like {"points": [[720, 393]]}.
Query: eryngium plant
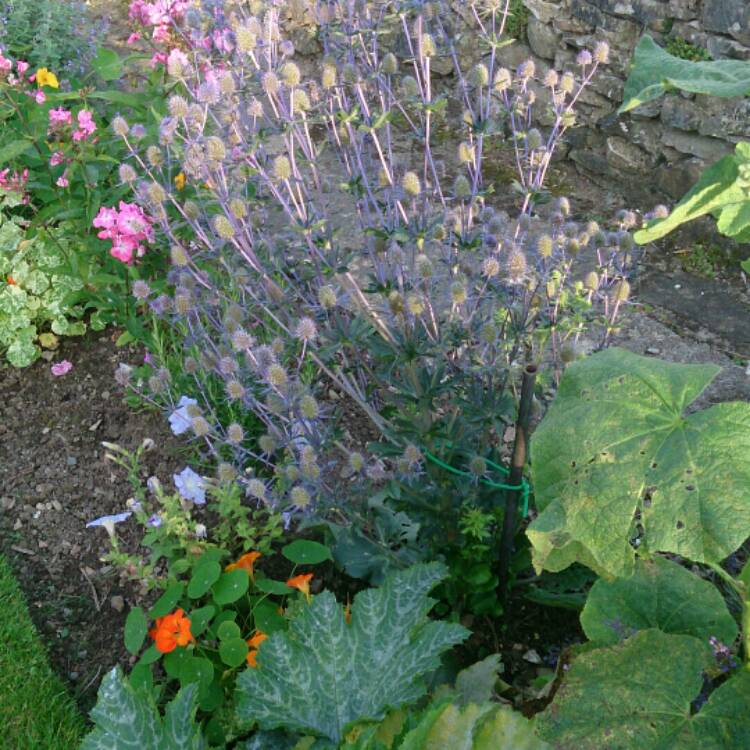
{"points": [[324, 238]]}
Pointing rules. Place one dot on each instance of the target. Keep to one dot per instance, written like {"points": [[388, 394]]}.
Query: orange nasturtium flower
{"points": [[45, 78], [246, 562], [11, 281], [171, 631], [301, 583], [254, 642], [180, 181]]}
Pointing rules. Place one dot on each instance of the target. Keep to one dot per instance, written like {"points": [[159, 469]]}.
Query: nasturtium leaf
{"points": [[352, 671], [167, 601], [233, 651], [136, 627], [199, 619], [660, 594], [150, 655], [227, 630], [205, 575], [126, 719], [199, 670], [269, 586], [231, 586], [616, 458], [306, 552], [174, 661], [654, 71], [267, 618], [142, 678], [637, 695]]}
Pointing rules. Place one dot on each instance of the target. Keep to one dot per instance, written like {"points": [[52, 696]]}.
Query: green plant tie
{"points": [[524, 486]]}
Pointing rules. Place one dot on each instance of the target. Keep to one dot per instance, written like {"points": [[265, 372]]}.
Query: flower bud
{"points": [[411, 185]]}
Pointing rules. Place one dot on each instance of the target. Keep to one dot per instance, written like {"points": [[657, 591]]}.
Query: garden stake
{"points": [[518, 461]]}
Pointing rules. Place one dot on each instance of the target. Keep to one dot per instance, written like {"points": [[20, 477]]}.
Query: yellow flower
{"points": [[45, 78], [180, 180]]}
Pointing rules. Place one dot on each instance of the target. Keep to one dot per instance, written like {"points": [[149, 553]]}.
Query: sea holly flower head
{"points": [[171, 631], [191, 486]]}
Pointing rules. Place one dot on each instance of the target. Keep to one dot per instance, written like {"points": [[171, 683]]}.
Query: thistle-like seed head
{"points": [[178, 106], [256, 489], [290, 74], [223, 227], [621, 291], [465, 153], [327, 297], [277, 376], [308, 407], [235, 433], [478, 466], [120, 126], [411, 184], [200, 426], [389, 65], [282, 168], [300, 497]]}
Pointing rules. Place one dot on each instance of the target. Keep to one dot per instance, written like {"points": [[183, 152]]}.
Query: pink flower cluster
{"points": [[6, 71], [127, 227], [60, 118], [15, 182], [161, 14]]}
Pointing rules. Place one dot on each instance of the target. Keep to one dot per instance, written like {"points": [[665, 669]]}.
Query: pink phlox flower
{"points": [[40, 97], [133, 38], [86, 125], [62, 180], [61, 368], [56, 159], [59, 119], [21, 66], [128, 227]]}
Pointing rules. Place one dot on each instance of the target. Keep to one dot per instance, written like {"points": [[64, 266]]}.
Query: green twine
{"points": [[524, 486]]}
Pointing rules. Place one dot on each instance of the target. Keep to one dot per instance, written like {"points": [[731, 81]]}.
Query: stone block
{"points": [[625, 156], [730, 17], [704, 147], [544, 10], [543, 39], [676, 179]]}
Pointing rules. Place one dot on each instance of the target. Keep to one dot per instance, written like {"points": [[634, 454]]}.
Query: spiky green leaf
{"points": [[617, 459], [323, 674], [129, 720]]}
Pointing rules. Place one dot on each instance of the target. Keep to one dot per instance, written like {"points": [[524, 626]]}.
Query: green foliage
{"points": [[655, 72], [660, 594], [636, 695], [641, 469], [679, 47], [518, 20], [355, 670], [47, 33], [125, 718], [36, 711], [720, 191], [35, 286]]}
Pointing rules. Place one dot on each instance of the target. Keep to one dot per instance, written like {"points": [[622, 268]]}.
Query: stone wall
{"points": [[660, 148]]}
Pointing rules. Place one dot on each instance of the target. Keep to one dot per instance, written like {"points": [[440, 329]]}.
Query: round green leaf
{"points": [[197, 669], [269, 586], [228, 630], [233, 651], [617, 456], [267, 618], [150, 655], [136, 627], [660, 594], [231, 586], [199, 619], [305, 552], [205, 575], [174, 661], [107, 64], [167, 601], [141, 678]]}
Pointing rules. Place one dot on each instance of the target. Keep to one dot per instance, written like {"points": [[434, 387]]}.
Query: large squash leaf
{"points": [[660, 594], [324, 673], [637, 696], [126, 719], [655, 71], [616, 463]]}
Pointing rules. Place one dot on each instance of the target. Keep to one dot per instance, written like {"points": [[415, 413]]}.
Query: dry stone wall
{"points": [[661, 148]]}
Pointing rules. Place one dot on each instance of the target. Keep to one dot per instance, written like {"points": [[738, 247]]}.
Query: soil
{"points": [[53, 479]]}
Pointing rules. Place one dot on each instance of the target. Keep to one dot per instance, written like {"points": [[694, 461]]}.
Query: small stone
{"points": [[117, 602], [653, 351], [72, 460], [57, 505], [95, 426], [532, 657], [105, 395]]}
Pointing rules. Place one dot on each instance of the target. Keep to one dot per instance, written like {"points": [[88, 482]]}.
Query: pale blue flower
{"points": [[155, 521], [108, 522], [179, 420], [191, 486]]}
